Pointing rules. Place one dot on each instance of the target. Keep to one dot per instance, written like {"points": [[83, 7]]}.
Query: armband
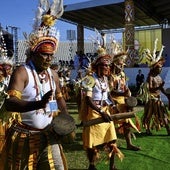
{"points": [[59, 95], [14, 93]]}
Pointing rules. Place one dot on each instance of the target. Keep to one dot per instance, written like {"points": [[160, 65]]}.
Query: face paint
{"points": [[43, 60], [104, 69]]}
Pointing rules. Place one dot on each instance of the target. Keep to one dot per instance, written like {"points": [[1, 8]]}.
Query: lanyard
{"points": [[40, 87]]}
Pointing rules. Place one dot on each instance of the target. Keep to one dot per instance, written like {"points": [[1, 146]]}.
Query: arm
{"points": [[111, 99], [92, 104], [18, 82], [104, 115], [113, 85], [126, 93]]}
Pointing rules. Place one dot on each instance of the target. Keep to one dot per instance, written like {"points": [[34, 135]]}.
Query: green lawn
{"points": [[154, 155]]}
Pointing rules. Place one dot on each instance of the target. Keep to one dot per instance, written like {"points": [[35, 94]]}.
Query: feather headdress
{"points": [[43, 27], [117, 52], [113, 49], [116, 47], [4, 59], [3, 49], [48, 13], [149, 57], [100, 48], [99, 42]]}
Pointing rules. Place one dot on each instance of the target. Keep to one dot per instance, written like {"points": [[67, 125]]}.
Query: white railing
{"points": [[66, 50]]}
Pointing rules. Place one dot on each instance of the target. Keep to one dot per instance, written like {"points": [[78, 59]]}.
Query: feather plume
{"points": [[155, 49], [115, 47], [57, 8], [95, 40], [160, 53], [45, 5], [37, 19], [47, 14], [97, 32], [150, 58]]}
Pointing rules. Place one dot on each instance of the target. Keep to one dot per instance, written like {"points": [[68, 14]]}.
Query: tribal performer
{"points": [[6, 68], [97, 103], [120, 92], [3, 95], [33, 92], [155, 112]]}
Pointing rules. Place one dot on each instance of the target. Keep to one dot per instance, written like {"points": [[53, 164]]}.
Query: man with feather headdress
{"points": [[96, 104], [120, 93], [6, 68], [155, 112], [34, 93]]}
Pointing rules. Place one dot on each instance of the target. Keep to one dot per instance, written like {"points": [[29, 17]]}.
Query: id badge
{"points": [[51, 106], [109, 102]]}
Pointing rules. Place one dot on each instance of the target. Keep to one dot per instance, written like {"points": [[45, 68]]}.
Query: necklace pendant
{"points": [[42, 77]]}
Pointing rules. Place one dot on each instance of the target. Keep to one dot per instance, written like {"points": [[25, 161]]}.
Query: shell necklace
{"points": [[102, 83]]}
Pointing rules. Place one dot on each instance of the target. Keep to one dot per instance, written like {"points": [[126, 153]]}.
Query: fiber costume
{"points": [[155, 114], [120, 92]]}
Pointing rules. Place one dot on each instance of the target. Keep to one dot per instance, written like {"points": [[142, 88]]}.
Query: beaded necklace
{"points": [[103, 85]]}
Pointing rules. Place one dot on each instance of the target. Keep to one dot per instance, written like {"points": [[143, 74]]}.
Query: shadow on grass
{"points": [[77, 169], [74, 146], [161, 134], [78, 136]]}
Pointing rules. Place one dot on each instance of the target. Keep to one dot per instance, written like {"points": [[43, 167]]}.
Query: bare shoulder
{"points": [[19, 71], [19, 78]]}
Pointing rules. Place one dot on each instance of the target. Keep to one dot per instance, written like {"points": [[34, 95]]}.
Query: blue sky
{"points": [[20, 13]]}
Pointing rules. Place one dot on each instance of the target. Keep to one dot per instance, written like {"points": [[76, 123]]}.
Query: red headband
{"points": [[45, 45]]}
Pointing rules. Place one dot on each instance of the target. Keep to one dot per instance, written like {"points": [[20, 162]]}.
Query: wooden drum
{"points": [[131, 101], [64, 126]]}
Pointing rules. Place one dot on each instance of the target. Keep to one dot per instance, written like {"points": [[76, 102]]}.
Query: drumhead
{"points": [[131, 101], [63, 124]]}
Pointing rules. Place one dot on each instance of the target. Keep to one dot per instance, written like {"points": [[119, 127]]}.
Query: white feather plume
{"points": [[37, 19], [57, 8], [151, 58], [45, 5], [98, 35], [115, 47], [155, 49], [95, 40]]}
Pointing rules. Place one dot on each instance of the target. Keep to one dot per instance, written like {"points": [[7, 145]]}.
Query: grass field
{"points": [[154, 155]]}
